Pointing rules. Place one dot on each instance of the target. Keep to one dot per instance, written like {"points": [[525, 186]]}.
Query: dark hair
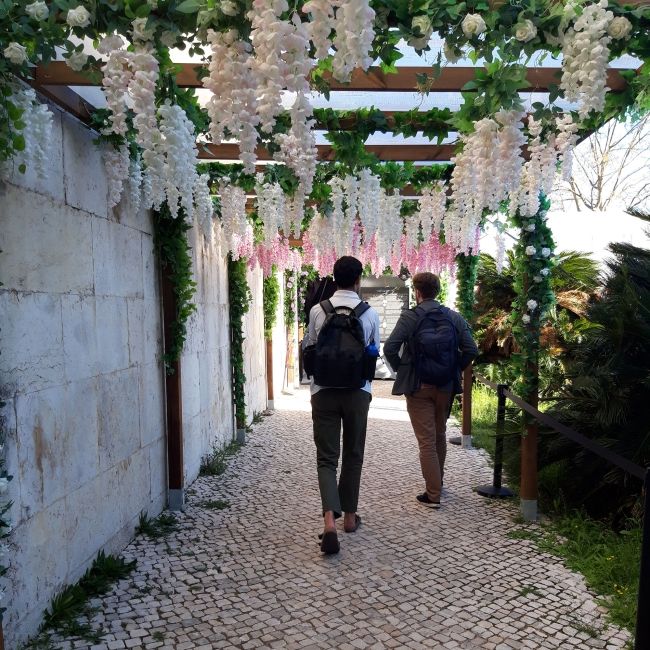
{"points": [[347, 271], [428, 284], [318, 290]]}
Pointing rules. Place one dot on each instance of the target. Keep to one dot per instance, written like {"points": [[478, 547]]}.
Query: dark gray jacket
{"points": [[398, 354]]}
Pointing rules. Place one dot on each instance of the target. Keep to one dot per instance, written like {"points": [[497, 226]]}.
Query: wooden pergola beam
{"points": [[399, 152], [451, 79]]}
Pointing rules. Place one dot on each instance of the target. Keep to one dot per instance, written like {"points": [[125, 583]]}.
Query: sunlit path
{"points": [[251, 575]]}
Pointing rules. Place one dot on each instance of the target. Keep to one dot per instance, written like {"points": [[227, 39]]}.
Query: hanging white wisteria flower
{"points": [[116, 166], [115, 82], [37, 132], [500, 242], [233, 103], [134, 183], [585, 54], [354, 34], [271, 207], [432, 205], [177, 146], [269, 35], [142, 89], [321, 24], [237, 230], [509, 162], [203, 208], [565, 141], [368, 202]]}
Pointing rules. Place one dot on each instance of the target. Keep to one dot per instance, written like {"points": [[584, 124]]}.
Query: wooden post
{"points": [[173, 404], [269, 374], [466, 427]]}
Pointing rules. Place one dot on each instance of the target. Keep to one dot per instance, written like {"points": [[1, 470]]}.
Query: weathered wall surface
{"points": [[205, 367], [80, 370], [255, 347]]}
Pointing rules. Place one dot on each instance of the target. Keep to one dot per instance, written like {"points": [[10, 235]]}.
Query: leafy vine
{"points": [[170, 237], [467, 266], [533, 257], [290, 305], [271, 297], [239, 297]]}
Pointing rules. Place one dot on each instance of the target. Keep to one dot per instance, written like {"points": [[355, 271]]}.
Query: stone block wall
{"points": [[255, 347], [205, 366], [80, 370]]}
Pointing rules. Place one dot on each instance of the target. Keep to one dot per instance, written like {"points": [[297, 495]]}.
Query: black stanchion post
{"points": [[496, 489], [642, 636]]}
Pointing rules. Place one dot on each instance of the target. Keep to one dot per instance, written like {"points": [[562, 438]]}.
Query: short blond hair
{"points": [[428, 284]]}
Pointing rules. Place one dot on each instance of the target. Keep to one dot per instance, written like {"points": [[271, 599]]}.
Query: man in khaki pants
{"points": [[429, 348]]}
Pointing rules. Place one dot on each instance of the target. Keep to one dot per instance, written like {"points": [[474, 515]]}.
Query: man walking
{"points": [[429, 348], [342, 346]]}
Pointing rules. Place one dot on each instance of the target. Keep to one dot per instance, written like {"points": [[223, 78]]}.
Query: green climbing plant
{"points": [[532, 261], [271, 297], [467, 266], [290, 298], [174, 253], [239, 296]]}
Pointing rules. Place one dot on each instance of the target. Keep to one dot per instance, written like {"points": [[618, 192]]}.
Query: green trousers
{"points": [[331, 408]]}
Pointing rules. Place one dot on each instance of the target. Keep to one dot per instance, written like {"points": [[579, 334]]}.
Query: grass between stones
{"points": [[608, 560], [73, 603], [156, 528], [216, 462]]}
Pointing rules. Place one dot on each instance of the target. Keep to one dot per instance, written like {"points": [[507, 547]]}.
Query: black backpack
{"points": [[339, 360], [434, 344]]}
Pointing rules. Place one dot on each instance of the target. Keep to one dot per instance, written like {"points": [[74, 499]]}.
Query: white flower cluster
{"points": [[203, 207], [368, 198], [354, 34], [237, 230], [432, 207], [500, 241], [116, 166], [142, 90], [320, 25], [271, 207], [176, 179], [233, 103], [565, 141], [389, 226], [585, 53], [37, 132]]}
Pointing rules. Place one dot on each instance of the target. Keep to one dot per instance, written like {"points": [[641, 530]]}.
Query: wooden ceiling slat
{"points": [[414, 152], [451, 79]]}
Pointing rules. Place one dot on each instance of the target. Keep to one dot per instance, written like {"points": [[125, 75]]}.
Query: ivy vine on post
{"points": [[290, 305], [170, 237], [239, 297], [271, 297], [467, 266], [535, 297]]}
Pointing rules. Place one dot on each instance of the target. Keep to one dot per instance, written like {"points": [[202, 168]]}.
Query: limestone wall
{"points": [[205, 368], [80, 370], [255, 347]]}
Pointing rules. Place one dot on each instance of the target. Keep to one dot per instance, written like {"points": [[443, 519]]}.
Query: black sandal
{"points": [[330, 543], [357, 523]]}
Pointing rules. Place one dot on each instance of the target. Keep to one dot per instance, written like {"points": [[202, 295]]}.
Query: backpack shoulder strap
{"points": [[361, 308], [327, 307]]}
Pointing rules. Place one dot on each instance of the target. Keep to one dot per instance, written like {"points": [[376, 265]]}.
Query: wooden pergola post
{"points": [[466, 425], [173, 404], [270, 402]]}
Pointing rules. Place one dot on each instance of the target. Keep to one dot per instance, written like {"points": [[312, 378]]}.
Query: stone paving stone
{"points": [[252, 576]]}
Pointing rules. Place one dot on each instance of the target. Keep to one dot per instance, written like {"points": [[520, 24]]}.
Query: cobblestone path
{"points": [[251, 575]]}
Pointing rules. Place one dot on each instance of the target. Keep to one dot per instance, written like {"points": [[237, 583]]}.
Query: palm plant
{"points": [[608, 389], [575, 281]]}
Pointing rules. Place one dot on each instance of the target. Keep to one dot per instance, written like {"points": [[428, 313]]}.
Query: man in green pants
{"points": [[339, 404]]}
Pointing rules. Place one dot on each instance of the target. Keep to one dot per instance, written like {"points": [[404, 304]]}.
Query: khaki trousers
{"points": [[428, 409]]}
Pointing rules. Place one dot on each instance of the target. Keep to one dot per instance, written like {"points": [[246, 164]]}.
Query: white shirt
{"points": [[369, 319]]}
